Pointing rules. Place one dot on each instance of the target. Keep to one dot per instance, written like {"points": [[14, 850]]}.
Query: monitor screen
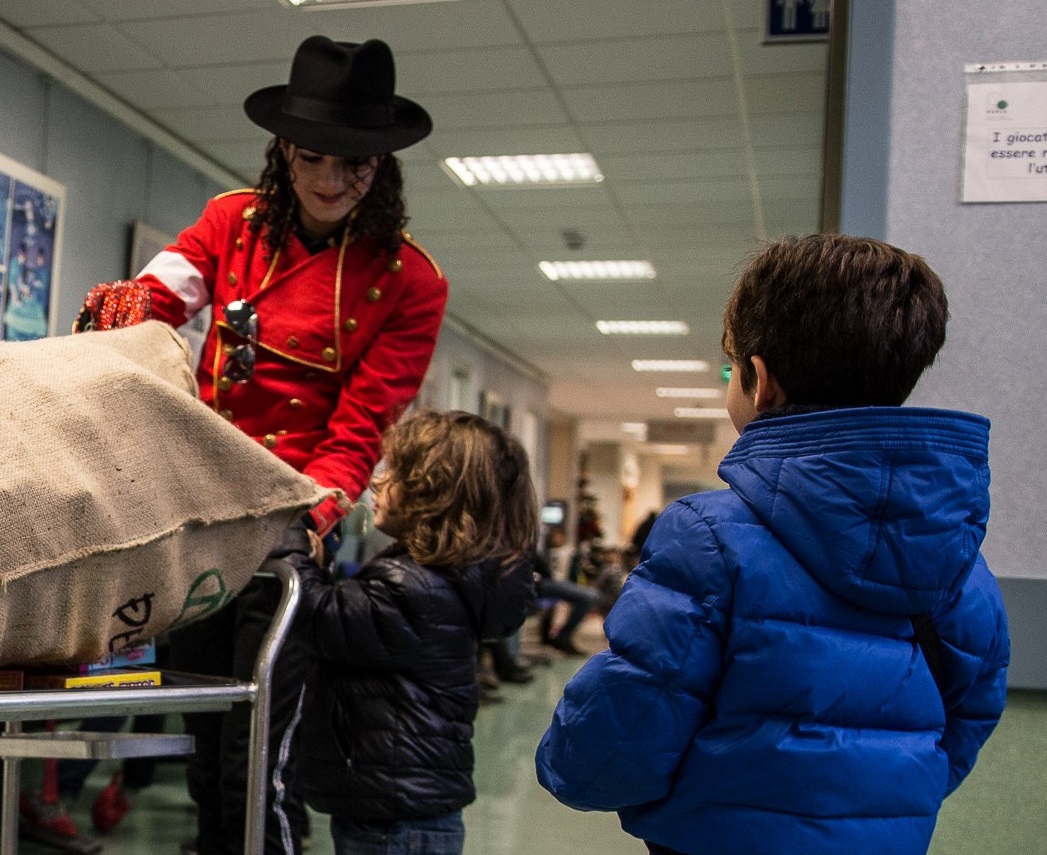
{"points": [[553, 513]]}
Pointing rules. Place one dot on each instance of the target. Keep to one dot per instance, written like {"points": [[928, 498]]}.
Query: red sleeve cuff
{"points": [[327, 515]]}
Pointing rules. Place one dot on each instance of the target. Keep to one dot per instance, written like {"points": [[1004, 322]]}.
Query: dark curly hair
{"points": [[381, 214], [839, 320], [465, 485]]}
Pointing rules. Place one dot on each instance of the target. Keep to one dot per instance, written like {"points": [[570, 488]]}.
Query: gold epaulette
{"points": [[410, 241], [235, 192]]}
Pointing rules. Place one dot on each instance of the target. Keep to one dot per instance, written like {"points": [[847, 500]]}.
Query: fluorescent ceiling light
{"points": [[637, 429], [670, 365], [699, 394], [525, 170], [701, 413], [317, 5], [642, 327], [556, 270]]}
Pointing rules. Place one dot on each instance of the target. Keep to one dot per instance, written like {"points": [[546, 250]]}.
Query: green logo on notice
{"points": [[1001, 105]]}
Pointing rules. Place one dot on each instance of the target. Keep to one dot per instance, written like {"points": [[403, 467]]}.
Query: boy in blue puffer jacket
{"points": [[766, 689]]}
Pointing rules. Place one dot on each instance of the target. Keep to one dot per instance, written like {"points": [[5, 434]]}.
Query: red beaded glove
{"points": [[112, 305]]}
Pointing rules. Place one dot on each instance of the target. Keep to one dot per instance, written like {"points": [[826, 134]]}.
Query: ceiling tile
{"points": [[95, 48], [154, 89], [648, 58], [672, 166], [634, 137], [230, 85], [555, 20], [498, 109], [450, 71], [780, 57], [539, 139], [164, 10], [24, 14], [785, 93], [674, 99]]}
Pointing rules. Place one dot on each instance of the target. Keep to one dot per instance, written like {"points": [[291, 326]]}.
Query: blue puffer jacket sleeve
{"points": [[628, 714], [975, 653]]}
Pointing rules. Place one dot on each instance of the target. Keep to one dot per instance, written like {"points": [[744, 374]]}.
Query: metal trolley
{"points": [[179, 693]]}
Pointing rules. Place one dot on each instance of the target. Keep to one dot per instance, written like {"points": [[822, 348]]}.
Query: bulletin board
{"points": [[1005, 150]]}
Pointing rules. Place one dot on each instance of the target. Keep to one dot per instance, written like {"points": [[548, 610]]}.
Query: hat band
{"points": [[352, 115]]}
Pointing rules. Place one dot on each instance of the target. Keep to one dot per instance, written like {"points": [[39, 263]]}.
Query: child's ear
{"points": [[769, 392]]}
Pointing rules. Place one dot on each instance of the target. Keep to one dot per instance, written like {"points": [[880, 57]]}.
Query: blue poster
{"points": [[28, 249]]}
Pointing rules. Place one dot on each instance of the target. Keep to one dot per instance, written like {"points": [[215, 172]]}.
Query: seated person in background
{"points": [[611, 577], [643, 529], [581, 598], [809, 661], [386, 738], [585, 561]]}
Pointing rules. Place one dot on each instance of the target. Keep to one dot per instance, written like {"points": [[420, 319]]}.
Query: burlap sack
{"points": [[128, 506]]}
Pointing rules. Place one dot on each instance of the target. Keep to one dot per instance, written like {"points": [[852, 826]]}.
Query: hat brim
{"points": [[411, 123]]}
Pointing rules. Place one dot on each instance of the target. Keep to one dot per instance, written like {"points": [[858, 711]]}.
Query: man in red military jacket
{"points": [[326, 314], [342, 338]]}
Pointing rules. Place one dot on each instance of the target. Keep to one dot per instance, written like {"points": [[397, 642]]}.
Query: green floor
{"points": [[1001, 808]]}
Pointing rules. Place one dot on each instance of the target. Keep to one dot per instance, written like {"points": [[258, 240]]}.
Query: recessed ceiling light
{"points": [[670, 365], [701, 413], [698, 394], [642, 327], [317, 5], [525, 170], [556, 270]]}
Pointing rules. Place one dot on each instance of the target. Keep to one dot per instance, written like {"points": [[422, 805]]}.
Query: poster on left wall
{"points": [[30, 251]]}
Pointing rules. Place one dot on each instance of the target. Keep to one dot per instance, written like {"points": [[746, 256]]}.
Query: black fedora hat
{"points": [[339, 100]]}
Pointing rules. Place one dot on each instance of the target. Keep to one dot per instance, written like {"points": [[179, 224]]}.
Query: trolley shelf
{"points": [[178, 693], [87, 745]]}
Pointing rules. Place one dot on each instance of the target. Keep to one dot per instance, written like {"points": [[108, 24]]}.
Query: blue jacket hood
{"points": [[903, 490]]}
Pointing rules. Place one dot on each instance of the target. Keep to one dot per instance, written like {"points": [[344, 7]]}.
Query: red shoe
{"points": [[49, 816], [111, 805]]}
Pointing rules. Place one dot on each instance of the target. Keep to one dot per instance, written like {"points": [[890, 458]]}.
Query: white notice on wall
{"points": [[1006, 150]]}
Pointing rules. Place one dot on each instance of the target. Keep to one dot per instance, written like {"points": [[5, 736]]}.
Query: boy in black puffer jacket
{"points": [[385, 744]]}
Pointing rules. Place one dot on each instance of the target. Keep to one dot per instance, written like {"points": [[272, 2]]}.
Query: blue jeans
{"points": [[582, 599], [444, 835]]}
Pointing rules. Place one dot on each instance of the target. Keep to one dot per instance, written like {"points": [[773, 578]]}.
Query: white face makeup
{"points": [[327, 187]]}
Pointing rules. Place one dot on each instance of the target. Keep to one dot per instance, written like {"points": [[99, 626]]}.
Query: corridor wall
{"points": [[112, 177], [902, 171]]}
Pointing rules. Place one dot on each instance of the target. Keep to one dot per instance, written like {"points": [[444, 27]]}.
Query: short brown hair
{"points": [[465, 488], [839, 320]]}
